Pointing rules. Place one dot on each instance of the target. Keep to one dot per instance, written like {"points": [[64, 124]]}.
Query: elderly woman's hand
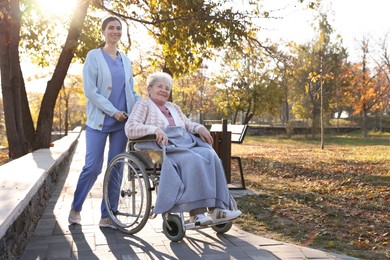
{"points": [[205, 135], [161, 137]]}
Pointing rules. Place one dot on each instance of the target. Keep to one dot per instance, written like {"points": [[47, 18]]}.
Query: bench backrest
{"points": [[238, 131]]}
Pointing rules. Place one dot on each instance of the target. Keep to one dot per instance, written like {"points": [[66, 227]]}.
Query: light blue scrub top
{"points": [[117, 96]]}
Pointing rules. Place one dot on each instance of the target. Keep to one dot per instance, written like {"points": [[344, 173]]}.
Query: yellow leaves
{"points": [[307, 88], [314, 76]]}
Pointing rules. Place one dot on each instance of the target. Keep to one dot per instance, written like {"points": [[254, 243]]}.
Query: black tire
{"points": [[222, 228], [177, 231], [131, 183]]}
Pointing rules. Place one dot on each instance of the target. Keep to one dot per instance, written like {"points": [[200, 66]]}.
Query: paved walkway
{"points": [[55, 239]]}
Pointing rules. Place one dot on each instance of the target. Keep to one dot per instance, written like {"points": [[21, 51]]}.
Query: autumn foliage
{"points": [[336, 199]]}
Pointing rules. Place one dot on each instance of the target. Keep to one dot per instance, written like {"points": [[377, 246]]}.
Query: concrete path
{"points": [[55, 239]]}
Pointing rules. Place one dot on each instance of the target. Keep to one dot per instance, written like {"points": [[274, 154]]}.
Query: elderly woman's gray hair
{"points": [[159, 76]]}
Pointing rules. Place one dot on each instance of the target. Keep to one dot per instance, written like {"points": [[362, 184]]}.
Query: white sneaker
{"points": [[74, 217], [201, 220], [222, 215], [106, 222]]}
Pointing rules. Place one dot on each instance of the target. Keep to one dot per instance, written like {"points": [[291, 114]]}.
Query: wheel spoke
{"points": [[126, 191]]}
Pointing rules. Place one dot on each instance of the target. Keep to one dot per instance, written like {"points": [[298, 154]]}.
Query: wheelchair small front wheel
{"points": [[223, 227], [175, 232]]}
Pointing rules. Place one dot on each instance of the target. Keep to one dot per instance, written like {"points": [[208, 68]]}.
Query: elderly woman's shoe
{"points": [[201, 219], [223, 215]]}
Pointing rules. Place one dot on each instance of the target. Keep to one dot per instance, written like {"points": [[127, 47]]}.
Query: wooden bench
{"points": [[237, 134]]}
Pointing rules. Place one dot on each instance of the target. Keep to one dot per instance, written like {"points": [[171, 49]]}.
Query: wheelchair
{"points": [[130, 185]]}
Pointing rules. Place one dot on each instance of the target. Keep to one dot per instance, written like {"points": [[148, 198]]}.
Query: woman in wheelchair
{"points": [[192, 176]]}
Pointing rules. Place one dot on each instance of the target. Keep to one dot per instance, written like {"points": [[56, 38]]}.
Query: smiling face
{"points": [[112, 32], [159, 92]]}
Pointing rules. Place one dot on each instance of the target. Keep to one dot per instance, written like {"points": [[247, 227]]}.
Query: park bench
{"points": [[224, 135]]}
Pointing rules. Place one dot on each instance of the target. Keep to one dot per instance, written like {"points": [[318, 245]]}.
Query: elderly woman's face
{"points": [[159, 92]]}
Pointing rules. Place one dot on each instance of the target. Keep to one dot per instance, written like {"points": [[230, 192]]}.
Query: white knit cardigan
{"points": [[146, 118]]}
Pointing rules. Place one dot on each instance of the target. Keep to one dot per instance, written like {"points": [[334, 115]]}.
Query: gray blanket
{"points": [[192, 175]]}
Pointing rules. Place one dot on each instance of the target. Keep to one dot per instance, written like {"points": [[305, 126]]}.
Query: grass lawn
{"points": [[336, 199]]}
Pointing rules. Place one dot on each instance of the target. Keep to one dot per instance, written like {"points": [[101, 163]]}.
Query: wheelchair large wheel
{"points": [[223, 227], [175, 232], [126, 193]]}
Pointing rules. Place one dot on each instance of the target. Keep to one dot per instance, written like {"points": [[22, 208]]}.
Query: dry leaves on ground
{"points": [[336, 199]]}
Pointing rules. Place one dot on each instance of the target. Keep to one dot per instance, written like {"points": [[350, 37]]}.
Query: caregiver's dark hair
{"points": [[109, 19]]}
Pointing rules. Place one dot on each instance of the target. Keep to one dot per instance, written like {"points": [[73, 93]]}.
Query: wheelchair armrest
{"points": [[148, 138], [144, 138]]}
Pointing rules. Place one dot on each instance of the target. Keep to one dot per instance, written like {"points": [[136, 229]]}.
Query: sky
{"points": [[352, 19]]}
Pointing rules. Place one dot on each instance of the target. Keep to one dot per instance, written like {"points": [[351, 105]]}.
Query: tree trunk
{"points": [[66, 120], [248, 117], [364, 123], [234, 121], [315, 121], [286, 118], [45, 119], [21, 135], [19, 126], [286, 111]]}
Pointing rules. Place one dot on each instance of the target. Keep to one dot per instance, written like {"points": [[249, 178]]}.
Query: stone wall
{"points": [[17, 235]]}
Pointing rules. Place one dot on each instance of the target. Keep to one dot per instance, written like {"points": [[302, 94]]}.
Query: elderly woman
{"points": [[192, 177]]}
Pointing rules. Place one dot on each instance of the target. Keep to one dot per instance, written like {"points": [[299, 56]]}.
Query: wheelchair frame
{"points": [[129, 182]]}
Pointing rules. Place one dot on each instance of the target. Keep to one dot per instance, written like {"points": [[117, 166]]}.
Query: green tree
{"points": [[169, 21], [317, 63], [21, 135], [246, 85], [285, 77], [186, 32], [193, 93], [284, 69]]}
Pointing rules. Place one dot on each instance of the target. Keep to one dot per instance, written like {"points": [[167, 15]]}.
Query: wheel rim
{"points": [[174, 228], [129, 206]]}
